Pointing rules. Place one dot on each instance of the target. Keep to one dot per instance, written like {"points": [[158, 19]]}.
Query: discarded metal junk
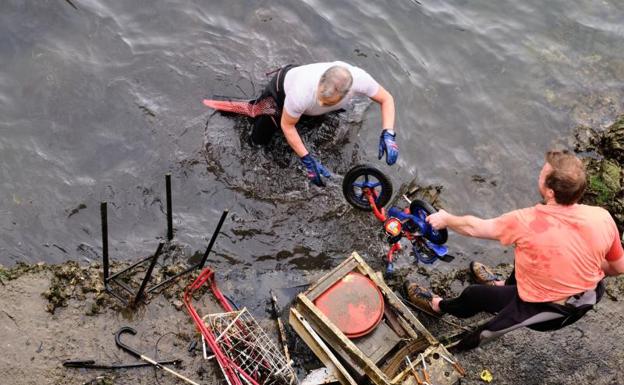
{"points": [[364, 333], [243, 351]]}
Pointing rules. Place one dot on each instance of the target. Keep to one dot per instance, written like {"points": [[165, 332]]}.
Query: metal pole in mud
{"points": [[103, 213], [148, 274], [169, 212], [213, 239]]}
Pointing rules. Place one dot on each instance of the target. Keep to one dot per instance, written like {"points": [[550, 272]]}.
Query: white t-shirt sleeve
{"points": [[363, 83], [291, 106]]}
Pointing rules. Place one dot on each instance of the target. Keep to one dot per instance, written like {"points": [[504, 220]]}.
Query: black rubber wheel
{"points": [[366, 176], [421, 209]]}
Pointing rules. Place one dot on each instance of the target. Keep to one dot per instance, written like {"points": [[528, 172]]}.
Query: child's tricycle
{"points": [[367, 188]]}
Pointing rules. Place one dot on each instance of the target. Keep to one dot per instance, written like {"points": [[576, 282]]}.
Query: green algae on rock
{"points": [[70, 280], [604, 162], [20, 268], [85, 283]]}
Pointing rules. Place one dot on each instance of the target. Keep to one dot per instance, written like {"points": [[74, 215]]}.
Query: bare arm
{"points": [[292, 136], [468, 225], [612, 268], [613, 264], [386, 101]]}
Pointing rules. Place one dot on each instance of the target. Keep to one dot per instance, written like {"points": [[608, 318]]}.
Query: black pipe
{"points": [[103, 213], [170, 279], [169, 210], [111, 292], [148, 274], [213, 239], [90, 364], [198, 265], [113, 276], [118, 333], [123, 286]]}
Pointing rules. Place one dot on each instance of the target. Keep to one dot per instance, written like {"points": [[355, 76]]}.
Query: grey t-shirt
{"points": [[301, 83]]}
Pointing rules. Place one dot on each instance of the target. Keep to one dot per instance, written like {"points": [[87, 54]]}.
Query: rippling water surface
{"points": [[99, 99]]}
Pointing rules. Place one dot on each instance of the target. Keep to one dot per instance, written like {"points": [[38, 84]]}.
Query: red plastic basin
{"points": [[354, 304]]}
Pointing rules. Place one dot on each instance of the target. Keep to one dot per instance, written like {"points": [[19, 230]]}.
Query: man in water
{"points": [[316, 89], [563, 250]]}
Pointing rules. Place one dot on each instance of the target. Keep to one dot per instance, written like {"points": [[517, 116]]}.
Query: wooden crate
{"points": [[378, 357]]}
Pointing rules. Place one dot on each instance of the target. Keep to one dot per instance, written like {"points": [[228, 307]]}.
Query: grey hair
{"points": [[336, 80]]}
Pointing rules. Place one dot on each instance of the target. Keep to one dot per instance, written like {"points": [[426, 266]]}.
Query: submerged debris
{"points": [[428, 193]]}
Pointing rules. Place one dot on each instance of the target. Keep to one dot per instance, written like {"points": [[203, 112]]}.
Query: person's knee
{"points": [[470, 292]]}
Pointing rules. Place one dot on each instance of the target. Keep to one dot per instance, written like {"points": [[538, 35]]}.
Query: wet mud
{"points": [[52, 313]]}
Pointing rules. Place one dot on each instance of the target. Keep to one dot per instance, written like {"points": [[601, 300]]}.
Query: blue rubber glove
{"points": [[388, 145], [315, 170]]}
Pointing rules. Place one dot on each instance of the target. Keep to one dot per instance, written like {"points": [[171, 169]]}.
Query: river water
{"points": [[99, 99]]}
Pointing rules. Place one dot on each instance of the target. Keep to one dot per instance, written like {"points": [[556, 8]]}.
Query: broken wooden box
{"points": [[363, 333]]}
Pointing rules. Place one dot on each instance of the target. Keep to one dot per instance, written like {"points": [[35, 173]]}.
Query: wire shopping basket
{"points": [[244, 352]]}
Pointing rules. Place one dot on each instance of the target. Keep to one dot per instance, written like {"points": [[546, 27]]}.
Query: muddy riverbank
{"points": [[52, 313]]}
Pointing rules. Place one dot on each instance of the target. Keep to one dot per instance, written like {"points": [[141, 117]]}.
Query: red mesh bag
{"points": [[266, 106]]}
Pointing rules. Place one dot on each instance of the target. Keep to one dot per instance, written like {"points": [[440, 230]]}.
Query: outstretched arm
{"points": [[385, 99], [468, 225], [292, 136]]}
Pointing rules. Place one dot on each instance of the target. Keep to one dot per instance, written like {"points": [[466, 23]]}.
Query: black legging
{"points": [[477, 298], [265, 126], [512, 312]]}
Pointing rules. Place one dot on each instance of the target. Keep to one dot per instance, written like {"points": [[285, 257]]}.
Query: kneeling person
{"points": [[316, 89]]}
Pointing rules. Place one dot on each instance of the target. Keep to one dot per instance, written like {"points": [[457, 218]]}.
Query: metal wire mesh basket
{"points": [[242, 339]]}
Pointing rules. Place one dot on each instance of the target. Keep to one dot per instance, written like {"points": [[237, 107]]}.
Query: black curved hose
{"points": [[126, 329]]}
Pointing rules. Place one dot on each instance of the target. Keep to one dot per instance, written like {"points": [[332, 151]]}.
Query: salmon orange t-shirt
{"points": [[559, 249]]}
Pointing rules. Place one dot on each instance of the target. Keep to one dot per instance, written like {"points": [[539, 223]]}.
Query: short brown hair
{"points": [[567, 179]]}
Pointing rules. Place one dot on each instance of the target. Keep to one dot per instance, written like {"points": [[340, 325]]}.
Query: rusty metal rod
{"points": [[280, 327]]}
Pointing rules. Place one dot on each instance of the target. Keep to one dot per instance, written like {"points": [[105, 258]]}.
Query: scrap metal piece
{"points": [[280, 327]]}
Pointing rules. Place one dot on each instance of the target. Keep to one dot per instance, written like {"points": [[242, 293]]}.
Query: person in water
{"points": [[563, 250], [316, 89]]}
